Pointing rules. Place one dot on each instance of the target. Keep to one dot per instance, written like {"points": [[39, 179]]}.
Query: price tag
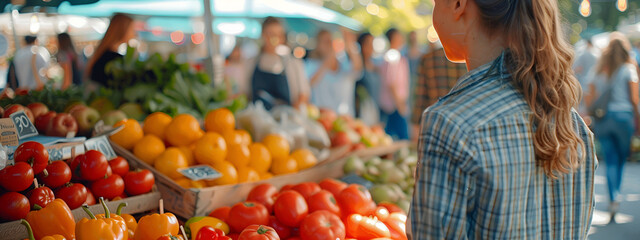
{"points": [[101, 144], [24, 126], [201, 172]]}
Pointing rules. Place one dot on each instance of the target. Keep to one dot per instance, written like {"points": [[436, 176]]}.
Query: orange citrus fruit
{"points": [[220, 121], [183, 182], [265, 175], [148, 148], [210, 148], [238, 155], [246, 137], [284, 166], [156, 123], [259, 157], [183, 130], [198, 184], [188, 155], [170, 161], [304, 158], [232, 138], [278, 146], [246, 174], [228, 171], [130, 134]]}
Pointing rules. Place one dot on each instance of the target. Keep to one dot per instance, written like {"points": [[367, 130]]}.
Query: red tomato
{"points": [[323, 200], [207, 233], [16, 178], [34, 154], [93, 165], [333, 186], [322, 225], [391, 207], [41, 196], [138, 182], [258, 232], [108, 188], [13, 206], [282, 230], [74, 194], [397, 224], [221, 213], [244, 214], [234, 236], [294, 238], [264, 194], [119, 166], [286, 187], [381, 213], [355, 199], [290, 208], [91, 200], [361, 227], [306, 189], [58, 173]]}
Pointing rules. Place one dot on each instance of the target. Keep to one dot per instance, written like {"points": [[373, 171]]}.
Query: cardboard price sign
{"points": [[201, 172], [101, 144], [24, 126]]}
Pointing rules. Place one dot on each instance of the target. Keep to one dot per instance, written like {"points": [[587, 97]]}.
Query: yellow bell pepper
{"points": [[194, 224], [55, 212], [30, 233], [129, 220], [156, 225], [104, 228]]}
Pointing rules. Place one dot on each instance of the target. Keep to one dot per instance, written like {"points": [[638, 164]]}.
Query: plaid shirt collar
{"points": [[488, 71]]}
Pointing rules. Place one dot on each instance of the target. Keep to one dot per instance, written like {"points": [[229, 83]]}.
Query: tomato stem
{"points": [[120, 207], [29, 230], [107, 214], [86, 209], [262, 230]]}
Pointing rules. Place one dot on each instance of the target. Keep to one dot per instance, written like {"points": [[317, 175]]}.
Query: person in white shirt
{"points": [[31, 62]]}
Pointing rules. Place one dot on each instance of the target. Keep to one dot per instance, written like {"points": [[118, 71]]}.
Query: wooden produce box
{"points": [[136, 204], [193, 202]]}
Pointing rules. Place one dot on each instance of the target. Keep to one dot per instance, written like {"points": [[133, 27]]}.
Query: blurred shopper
{"points": [[120, 31], [69, 61], [332, 76], [368, 87], [394, 92], [436, 77], [503, 155], [583, 64], [31, 62], [235, 72], [274, 76], [613, 101]]}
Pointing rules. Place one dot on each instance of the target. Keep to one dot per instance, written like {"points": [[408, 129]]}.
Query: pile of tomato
{"points": [[34, 181], [310, 211]]}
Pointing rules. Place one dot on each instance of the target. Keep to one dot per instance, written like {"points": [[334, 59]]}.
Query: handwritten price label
{"points": [[101, 144], [24, 126], [201, 172]]}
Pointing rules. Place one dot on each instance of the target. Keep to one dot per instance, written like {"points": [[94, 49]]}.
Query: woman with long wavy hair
{"points": [[504, 155], [617, 75], [120, 31]]}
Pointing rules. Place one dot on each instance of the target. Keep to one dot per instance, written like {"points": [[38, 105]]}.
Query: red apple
{"points": [[340, 139], [63, 125], [86, 118], [326, 123], [44, 120], [38, 109], [22, 91], [378, 130], [328, 114], [16, 108], [7, 93]]}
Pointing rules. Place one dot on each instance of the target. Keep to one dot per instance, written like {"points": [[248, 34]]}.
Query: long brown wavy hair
{"points": [[118, 28], [615, 55], [540, 60]]}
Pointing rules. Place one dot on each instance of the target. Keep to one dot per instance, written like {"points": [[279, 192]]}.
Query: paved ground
{"points": [[628, 220]]}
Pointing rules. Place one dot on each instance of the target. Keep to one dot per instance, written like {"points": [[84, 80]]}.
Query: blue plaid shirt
{"points": [[477, 177]]}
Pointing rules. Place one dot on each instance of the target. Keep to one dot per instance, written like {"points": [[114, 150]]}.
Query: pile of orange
{"points": [[170, 144]]}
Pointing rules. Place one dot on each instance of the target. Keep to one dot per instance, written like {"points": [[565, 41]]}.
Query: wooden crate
{"points": [[192, 202], [136, 204]]}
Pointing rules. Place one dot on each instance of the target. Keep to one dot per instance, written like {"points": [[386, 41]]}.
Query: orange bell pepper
{"points": [[156, 225], [30, 233], [107, 227], [170, 237], [128, 219], [55, 218]]}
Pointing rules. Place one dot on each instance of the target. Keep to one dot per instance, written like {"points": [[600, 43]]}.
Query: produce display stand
{"points": [[193, 202], [136, 204]]}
